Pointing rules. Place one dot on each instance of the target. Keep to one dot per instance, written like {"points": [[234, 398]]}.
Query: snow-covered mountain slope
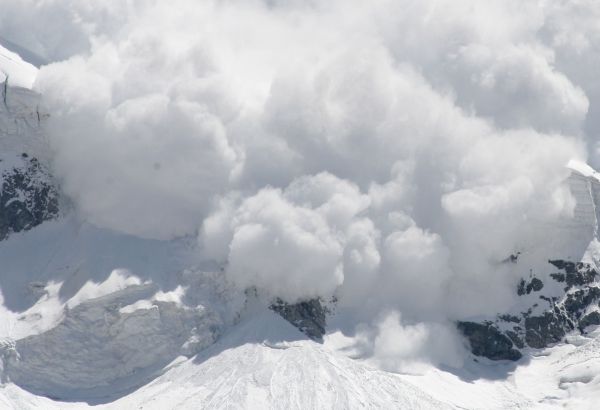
{"points": [[21, 119], [24, 53], [558, 299], [562, 377], [264, 363], [585, 186], [28, 193], [94, 318], [18, 72], [76, 329]]}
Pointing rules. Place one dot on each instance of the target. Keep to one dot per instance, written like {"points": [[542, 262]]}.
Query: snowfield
{"points": [[265, 363], [106, 338], [123, 343]]}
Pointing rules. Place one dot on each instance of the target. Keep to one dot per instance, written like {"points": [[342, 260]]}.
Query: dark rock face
{"points": [[535, 285], [588, 320], [578, 300], [540, 331], [488, 341], [309, 317], [497, 339], [576, 274], [524, 288], [27, 197]]}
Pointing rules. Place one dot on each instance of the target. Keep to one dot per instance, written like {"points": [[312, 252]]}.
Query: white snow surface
{"points": [[564, 376], [20, 73], [99, 319], [21, 126], [264, 363]]}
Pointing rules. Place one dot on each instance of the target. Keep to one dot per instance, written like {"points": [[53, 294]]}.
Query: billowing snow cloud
{"points": [[291, 242], [392, 153]]}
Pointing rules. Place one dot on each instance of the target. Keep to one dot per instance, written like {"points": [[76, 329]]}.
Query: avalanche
{"points": [[93, 317]]}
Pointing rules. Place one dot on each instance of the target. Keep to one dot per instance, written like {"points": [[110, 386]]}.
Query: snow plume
{"points": [[391, 153], [297, 242], [396, 346]]}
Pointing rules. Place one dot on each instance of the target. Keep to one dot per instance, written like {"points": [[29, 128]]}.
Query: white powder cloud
{"points": [[291, 242], [403, 347], [389, 152]]}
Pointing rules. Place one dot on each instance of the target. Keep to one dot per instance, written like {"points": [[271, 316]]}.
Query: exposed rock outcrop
{"points": [[309, 316], [488, 341], [547, 321], [27, 196]]}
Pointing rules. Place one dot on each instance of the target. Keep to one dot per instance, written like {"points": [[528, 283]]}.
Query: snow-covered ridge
{"points": [[262, 363], [18, 72], [556, 300], [583, 169], [28, 193], [101, 348], [585, 186], [22, 122]]}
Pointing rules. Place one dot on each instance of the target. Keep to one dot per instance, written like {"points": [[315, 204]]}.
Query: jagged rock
{"points": [[576, 274], [544, 330], [589, 320], [577, 301], [27, 197], [534, 285], [487, 341], [510, 318], [521, 288], [309, 317], [514, 337], [562, 315]]}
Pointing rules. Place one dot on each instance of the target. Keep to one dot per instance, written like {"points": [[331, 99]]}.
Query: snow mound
{"points": [[265, 363]]}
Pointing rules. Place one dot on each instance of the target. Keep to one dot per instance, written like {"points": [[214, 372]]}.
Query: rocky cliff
{"points": [[545, 322]]}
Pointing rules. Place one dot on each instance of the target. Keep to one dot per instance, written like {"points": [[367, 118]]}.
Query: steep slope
{"points": [[562, 298], [97, 318], [28, 195], [78, 330], [561, 377], [18, 72], [92, 312], [264, 362], [109, 344]]}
